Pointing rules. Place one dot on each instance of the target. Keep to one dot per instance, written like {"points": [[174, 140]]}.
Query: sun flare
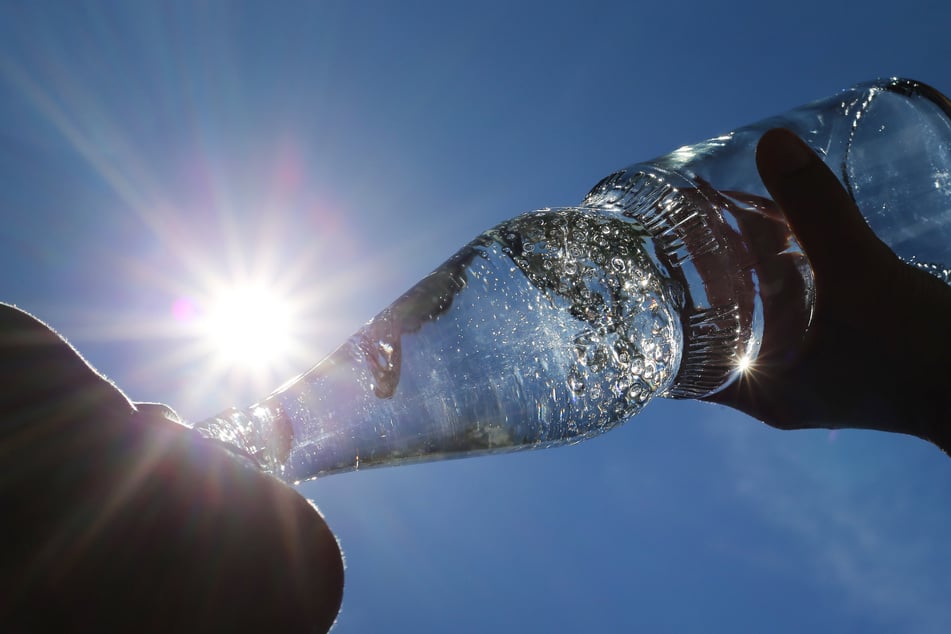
{"points": [[249, 326]]}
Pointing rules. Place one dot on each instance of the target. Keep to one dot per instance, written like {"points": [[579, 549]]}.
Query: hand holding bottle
{"points": [[875, 356]]}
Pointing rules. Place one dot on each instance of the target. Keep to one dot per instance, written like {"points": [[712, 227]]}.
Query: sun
{"points": [[249, 326], [242, 336]]}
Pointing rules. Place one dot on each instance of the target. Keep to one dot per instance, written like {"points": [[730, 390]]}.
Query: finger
{"points": [[45, 381], [275, 545], [140, 527], [160, 533], [820, 211]]}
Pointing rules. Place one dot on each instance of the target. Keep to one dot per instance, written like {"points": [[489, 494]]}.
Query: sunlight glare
{"points": [[250, 326]]}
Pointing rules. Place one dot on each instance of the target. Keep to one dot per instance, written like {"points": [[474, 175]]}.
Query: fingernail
{"points": [[793, 155]]}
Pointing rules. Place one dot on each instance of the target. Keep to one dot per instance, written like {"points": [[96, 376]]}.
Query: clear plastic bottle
{"points": [[563, 323]]}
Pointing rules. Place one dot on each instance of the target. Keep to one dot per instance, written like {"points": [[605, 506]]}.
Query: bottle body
{"points": [[551, 328]]}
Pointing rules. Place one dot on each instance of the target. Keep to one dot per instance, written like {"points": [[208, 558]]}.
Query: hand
{"points": [[117, 518], [875, 354]]}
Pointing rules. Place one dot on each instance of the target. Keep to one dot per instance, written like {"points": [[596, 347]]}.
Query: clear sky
{"points": [[153, 155]]}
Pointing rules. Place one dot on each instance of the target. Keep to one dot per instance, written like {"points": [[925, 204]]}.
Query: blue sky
{"points": [[152, 152]]}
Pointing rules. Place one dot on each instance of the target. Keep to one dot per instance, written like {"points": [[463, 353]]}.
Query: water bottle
{"points": [[561, 324]]}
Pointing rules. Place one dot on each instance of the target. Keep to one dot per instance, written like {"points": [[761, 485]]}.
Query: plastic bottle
{"points": [[563, 323]]}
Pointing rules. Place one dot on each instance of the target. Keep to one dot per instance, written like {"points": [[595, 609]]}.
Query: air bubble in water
{"points": [[575, 383]]}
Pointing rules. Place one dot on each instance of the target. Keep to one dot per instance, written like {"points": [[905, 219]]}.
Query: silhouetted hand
{"points": [[117, 518], [876, 354]]}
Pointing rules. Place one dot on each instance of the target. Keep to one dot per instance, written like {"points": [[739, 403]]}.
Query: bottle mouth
{"points": [[697, 247]]}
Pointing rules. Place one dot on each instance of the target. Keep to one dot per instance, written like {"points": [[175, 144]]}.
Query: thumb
{"points": [[819, 210], [45, 381]]}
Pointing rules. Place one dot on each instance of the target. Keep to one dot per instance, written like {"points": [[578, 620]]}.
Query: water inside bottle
{"points": [[551, 328]]}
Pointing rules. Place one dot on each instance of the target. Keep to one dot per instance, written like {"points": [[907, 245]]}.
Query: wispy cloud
{"points": [[870, 512]]}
